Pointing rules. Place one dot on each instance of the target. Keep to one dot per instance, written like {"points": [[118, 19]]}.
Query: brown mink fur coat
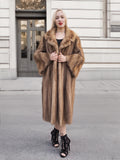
{"points": [[58, 81]]}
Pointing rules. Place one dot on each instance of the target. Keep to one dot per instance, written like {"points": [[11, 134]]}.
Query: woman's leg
{"points": [[57, 126], [65, 140], [62, 130]]}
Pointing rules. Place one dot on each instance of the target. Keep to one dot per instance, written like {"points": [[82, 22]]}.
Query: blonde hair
{"points": [[54, 17]]}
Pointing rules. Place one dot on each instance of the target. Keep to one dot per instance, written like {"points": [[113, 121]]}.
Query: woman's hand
{"points": [[61, 58], [53, 56]]}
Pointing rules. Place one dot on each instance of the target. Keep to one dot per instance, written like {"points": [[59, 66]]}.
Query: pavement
{"points": [[34, 84], [94, 132]]}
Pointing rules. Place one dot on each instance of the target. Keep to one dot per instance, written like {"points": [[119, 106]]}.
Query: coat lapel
{"points": [[51, 38]]}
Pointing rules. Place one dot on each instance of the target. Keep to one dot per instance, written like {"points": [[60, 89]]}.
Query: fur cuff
{"points": [[75, 62]]}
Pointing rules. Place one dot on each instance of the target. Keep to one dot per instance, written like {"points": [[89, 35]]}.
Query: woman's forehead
{"points": [[59, 13]]}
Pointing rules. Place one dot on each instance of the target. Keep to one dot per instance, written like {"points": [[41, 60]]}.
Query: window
{"points": [[114, 12]]}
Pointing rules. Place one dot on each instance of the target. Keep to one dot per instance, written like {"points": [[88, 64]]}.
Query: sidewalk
{"points": [[34, 84], [94, 132]]}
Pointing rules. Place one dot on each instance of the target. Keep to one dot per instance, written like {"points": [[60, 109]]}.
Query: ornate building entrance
{"points": [[31, 25]]}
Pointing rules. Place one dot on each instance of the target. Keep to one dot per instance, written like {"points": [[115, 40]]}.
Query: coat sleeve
{"points": [[76, 59], [41, 57]]}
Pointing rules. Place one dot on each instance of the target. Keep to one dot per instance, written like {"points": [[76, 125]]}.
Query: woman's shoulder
{"points": [[75, 34], [72, 34], [71, 31], [77, 37], [48, 34]]}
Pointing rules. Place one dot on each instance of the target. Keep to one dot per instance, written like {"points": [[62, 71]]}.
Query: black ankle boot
{"points": [[54, 137], [65, 146]]}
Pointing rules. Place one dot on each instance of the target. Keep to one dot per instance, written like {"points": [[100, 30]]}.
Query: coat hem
{"points": [[46, 120]]}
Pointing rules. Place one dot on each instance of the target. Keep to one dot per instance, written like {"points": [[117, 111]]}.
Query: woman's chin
{"points": [[61, 26]]}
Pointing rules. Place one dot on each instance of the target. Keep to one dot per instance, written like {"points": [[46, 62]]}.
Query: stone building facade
{"points": [[97, 22]]}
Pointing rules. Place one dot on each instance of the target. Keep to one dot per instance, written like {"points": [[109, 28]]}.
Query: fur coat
{"points": [[58, 82]]}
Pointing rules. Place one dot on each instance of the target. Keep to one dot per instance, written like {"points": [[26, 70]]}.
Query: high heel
{"points": [[54, 137], [65, 146]]}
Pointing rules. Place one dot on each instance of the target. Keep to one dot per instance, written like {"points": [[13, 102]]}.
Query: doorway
{"points": [[29, 32]]}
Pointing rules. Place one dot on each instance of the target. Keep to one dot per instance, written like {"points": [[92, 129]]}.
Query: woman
{"points": [[59, 58]]}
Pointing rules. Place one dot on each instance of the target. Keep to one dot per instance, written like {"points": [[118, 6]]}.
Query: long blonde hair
{"points": [[54, 17]]}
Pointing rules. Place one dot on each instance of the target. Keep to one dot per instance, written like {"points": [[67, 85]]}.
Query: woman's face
{"points": [[60, 19]]}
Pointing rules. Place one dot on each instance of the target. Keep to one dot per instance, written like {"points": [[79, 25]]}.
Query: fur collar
{"points": [[69, 37]]}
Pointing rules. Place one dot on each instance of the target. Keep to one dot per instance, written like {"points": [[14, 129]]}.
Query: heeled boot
{"points": [[65, 146], [55, 137]]}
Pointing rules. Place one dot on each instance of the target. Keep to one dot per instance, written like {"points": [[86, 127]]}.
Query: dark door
{"points": [[29, 32]]}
